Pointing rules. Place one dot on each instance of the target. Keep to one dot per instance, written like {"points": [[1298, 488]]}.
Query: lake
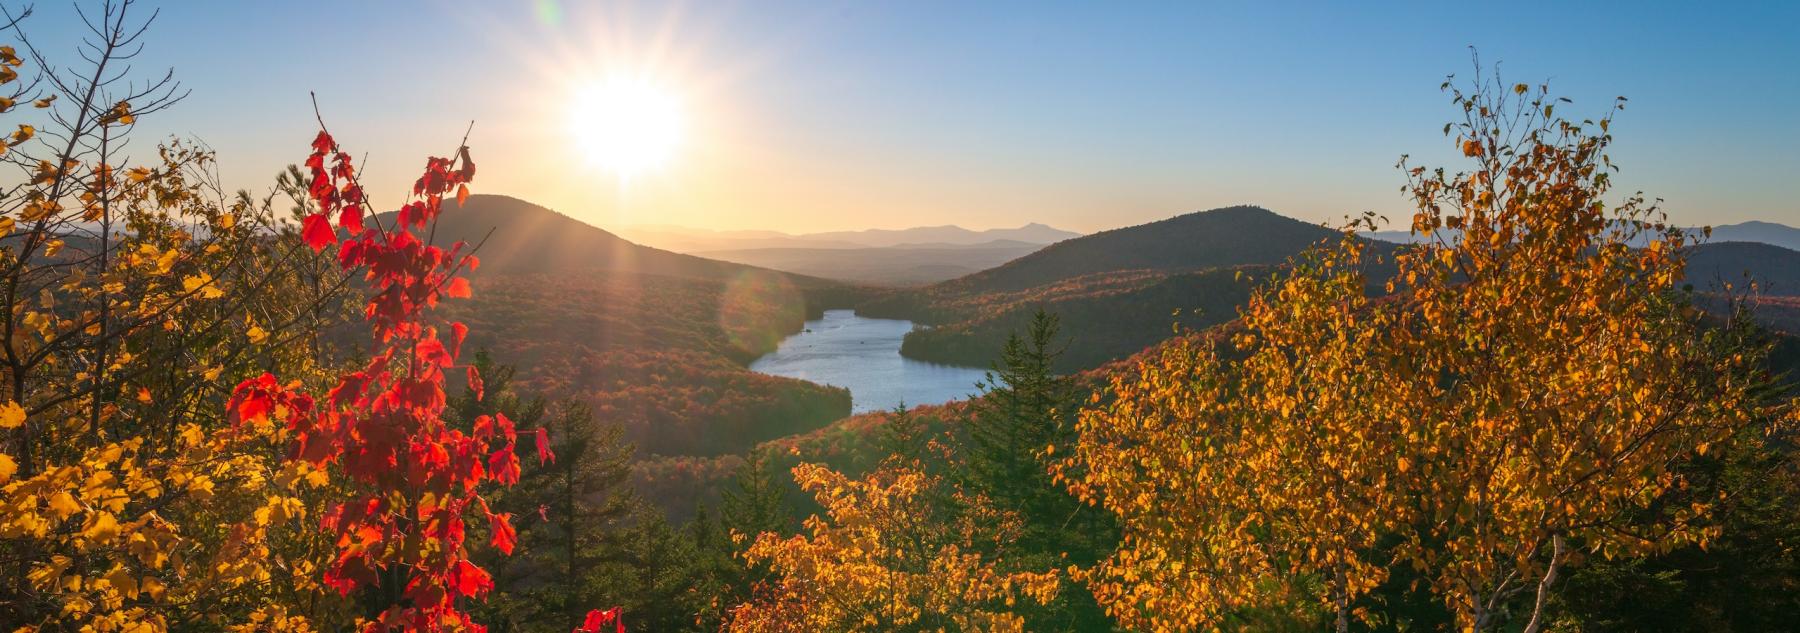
{"points": [[863, 355]]}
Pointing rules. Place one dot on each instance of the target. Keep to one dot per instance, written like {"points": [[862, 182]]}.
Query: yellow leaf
{"points": [[7, 468], [203, 283], [63, 504], [11, 415], [101, 527], [257, 334]]}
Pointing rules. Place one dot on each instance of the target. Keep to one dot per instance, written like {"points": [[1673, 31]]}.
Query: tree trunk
{"points": [[1543, 589], [1341, 597]]}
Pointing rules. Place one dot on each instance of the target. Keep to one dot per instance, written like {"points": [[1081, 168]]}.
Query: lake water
{"points": [[863, 355]]}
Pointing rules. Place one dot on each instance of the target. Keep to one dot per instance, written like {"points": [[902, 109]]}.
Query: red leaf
{"points": [[351, 219], [322, 143], [504, 535], [462, 194], [316, 230], [468, 165], [458, 332], [459, 288], [475, 382], [543, 446], [471, 580], [598, 618]]}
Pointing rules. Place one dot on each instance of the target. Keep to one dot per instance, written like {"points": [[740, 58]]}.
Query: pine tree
{"points": [[903, 437], [1025, 416], [1024, 409], [757, 502], [573, 512]]}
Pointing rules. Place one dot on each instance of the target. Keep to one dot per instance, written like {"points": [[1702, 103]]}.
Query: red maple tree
{"points": [[415, 479]]}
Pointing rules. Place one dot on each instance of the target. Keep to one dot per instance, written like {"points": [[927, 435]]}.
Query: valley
{"points": [[701, 360]]}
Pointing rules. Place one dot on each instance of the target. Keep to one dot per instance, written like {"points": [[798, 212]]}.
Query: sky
{"points": [[816, 116]]}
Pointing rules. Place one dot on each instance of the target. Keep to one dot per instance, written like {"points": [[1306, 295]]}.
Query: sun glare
{"points": [[626, 125]]}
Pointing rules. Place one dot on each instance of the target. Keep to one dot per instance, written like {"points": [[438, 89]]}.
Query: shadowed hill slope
{"points": [[654, 341], [1775, 270], [1231, 236], [1117, 290], [521, 237]]}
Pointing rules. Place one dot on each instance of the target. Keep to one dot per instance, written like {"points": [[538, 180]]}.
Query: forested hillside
{"points": [[1117, 291], [653, 341]]}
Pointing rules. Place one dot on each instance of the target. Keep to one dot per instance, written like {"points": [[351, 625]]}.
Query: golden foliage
{"points": [[1521, 403], [127, 501], [888, 556]]}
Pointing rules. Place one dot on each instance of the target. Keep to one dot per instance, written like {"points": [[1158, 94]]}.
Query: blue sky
{"points": [[823, 116]]}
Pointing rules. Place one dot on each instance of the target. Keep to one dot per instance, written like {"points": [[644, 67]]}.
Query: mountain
{"points": [[1761, 232], [654, 341], [1116, 291], [521, 237], [1232, 236], [1033, 233], [1776, 270], [908, 264], [689, 240]]}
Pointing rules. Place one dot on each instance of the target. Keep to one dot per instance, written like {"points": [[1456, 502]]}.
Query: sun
{"points": [[626, 125]]}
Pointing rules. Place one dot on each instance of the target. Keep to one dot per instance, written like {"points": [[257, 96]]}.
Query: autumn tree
{"points": [[127, 294], [888, 556], [413, 480], [1522, 404]]}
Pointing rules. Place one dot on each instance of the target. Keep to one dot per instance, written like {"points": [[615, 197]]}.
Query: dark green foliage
{"points": [[756, 502], [575, 517], [1024, 409], [1747, 580], [904, 435], [1231, 236], [1024, 416]]}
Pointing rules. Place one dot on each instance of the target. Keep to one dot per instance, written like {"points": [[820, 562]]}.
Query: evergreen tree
{"points": [[1023, 410], [903, 438], [1024, 416], [573, 511], [757, 502]]}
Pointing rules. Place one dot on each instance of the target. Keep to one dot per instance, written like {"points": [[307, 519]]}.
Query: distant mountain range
{"points": [[902, 265], [690, 240]]}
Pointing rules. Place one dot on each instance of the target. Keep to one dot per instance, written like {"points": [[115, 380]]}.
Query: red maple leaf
{"points": [[316, 230], [545, 456]]}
